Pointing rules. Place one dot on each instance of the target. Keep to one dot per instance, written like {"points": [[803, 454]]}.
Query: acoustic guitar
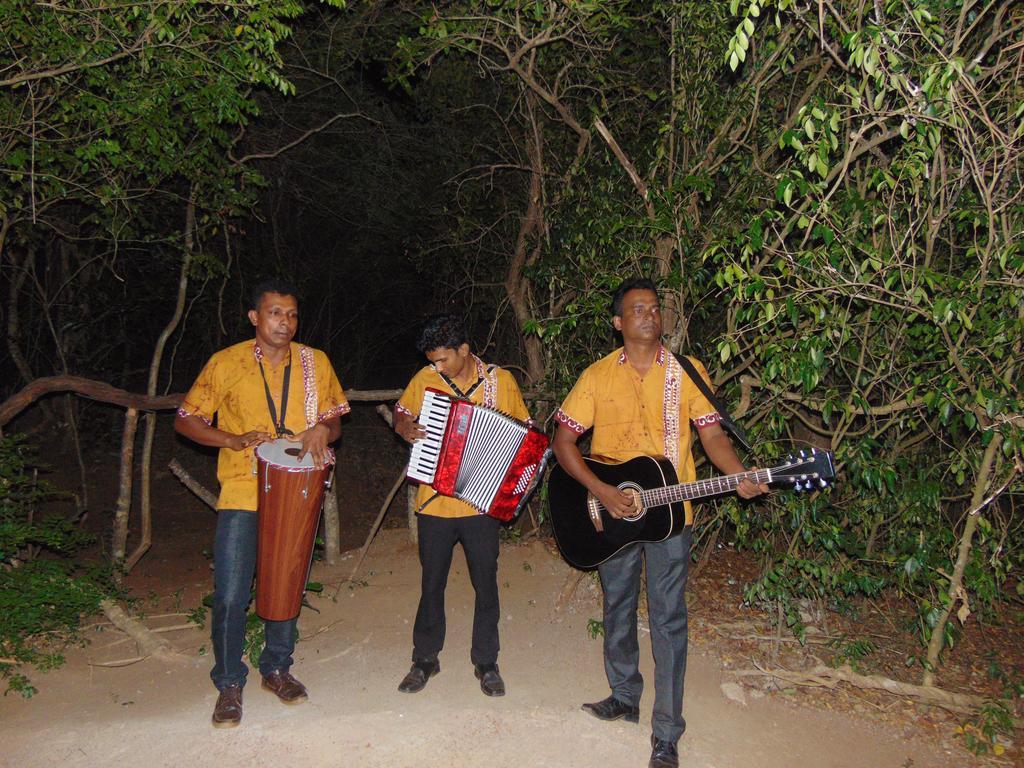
{"points": [[576, 515]]}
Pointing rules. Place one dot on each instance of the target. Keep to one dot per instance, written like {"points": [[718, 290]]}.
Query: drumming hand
{"points": [[249, 439], [314, 442], [618, 504]]}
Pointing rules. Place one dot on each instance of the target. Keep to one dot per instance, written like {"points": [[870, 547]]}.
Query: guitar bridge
{"points": [[594, 510]]}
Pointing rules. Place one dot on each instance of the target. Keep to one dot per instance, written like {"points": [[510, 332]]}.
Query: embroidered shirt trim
{"points": [[670, 414], [185, 413], [707, 420], [309, 384], [659, 358], [563, 418]]}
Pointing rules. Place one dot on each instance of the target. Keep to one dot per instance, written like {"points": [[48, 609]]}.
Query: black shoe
{"points": [[417, 678], [664, 754], [490, 679], [613, 709]]}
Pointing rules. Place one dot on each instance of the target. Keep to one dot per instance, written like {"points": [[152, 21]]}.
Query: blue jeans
{"points": [[668, 564], [234, 564]]}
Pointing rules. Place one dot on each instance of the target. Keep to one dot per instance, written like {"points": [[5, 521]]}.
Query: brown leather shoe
{"points": [[285, 687], [416, 680], [227, 713]]}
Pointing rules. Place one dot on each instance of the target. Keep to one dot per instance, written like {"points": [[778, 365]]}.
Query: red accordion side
{"points": [[487, 459]]}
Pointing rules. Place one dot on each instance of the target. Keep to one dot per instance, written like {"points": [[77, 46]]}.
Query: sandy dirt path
{"points": [[354, 652]]}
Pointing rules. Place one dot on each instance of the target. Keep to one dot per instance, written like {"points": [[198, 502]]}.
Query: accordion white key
{"points": [[476, 454]]}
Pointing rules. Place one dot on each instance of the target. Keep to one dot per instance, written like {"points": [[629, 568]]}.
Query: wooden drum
{"points": [[291, 493]]}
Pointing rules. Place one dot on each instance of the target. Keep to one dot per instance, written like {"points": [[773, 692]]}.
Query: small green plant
{"points": [[18, 683], [511, 534], [851, 651], [197, 615], [996, 717], [981, 733], [595, 628], [255, 638], [42, 600]]}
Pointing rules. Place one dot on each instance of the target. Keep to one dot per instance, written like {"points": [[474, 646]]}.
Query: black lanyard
{"points": [[279, 425]]}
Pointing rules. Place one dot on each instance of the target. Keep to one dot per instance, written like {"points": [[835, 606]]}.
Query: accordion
{"points": [[477, 455]]}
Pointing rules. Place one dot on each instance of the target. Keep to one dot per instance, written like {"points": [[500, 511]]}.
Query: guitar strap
{"points": [[727, 421]]}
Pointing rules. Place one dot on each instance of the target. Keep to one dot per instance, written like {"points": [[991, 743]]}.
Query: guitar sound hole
{"points": [[634, 491]]}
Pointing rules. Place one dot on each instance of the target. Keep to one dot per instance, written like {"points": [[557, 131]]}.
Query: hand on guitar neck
{"points": [[719, 449]]}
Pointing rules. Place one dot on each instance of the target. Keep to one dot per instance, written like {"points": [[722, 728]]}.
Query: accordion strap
{"points": [[458, 390], [426, 503]]}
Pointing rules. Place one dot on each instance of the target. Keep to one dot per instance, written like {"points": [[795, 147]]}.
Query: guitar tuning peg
{"points": [[798, 487], [823, 483], [803, 454]]}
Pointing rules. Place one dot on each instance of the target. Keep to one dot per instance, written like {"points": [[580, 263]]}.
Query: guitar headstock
{"points": [[808, 469]]}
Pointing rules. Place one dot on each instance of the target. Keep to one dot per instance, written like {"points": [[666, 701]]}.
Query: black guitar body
{"points": [[581, 544]]}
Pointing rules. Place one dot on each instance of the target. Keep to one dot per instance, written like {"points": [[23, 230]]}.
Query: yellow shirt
{"points": [[498, 390], [633, 416], [230, 386]]}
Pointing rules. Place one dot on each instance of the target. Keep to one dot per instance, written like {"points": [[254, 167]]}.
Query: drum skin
{"points": [[290, 497]]}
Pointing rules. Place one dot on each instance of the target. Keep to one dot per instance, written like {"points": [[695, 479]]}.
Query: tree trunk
{"points": [[145, 497], [124, 495], [963, 553], [531, 231], [18, 277]]}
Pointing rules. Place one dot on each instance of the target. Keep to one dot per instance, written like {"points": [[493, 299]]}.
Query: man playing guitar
{"points": [[638, 401]]}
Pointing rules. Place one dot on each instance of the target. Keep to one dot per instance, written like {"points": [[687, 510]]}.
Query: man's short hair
{"points": [[275, 285], [443, 332], [632, 284]]}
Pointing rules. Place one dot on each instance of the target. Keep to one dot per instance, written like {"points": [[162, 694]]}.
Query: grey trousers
{"points": [[668, 565]]}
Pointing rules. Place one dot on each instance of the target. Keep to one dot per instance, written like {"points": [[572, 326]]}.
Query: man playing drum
{"points": [[443, 521], [259, 389]]}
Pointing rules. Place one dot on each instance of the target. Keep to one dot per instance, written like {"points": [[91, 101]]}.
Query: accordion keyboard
{"points": [[426, 452]]}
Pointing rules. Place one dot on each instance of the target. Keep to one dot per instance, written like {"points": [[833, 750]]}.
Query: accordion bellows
{"points": [[476, 454]]}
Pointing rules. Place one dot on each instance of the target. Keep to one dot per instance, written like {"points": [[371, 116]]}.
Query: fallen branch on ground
{"points": [[572, 581], [828, 677], [149, 643]]}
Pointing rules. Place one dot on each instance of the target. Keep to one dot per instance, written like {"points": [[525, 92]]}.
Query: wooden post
{"points": [[332, 526]]}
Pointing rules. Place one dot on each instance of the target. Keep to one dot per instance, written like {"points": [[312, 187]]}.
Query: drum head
{"points": [[284, 453]]}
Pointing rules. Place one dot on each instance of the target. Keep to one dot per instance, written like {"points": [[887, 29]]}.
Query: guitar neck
{"points": [[700, 489]]}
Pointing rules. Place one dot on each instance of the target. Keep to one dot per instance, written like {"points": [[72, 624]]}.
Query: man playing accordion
{"points": [[442, 520]]}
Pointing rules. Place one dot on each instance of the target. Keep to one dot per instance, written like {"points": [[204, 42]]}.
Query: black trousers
{"points": [[437, 539], [668, 564]]}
